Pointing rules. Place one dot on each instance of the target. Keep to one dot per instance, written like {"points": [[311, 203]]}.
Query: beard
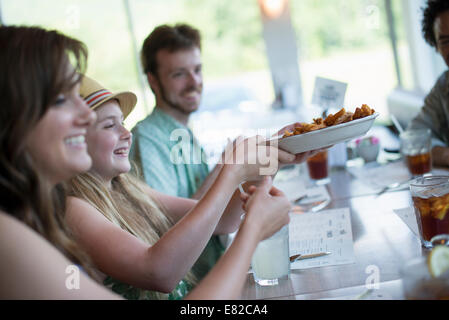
{"points": [[176, 105]]}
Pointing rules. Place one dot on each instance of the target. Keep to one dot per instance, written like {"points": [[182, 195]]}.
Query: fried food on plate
{"points": [[331, 120]]}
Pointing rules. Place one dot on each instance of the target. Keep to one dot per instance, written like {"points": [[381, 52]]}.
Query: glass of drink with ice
{"points": [[416, 149], [430, 197], [271, 260]]}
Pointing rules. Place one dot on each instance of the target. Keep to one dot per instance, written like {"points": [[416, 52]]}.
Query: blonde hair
{"points": [[127, 206]]}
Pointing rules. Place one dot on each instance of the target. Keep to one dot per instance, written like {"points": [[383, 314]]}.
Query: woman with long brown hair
{"points": [[43, 122]]}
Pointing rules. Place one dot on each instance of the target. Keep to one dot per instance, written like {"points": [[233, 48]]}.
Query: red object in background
{"points": [[317, 166]]}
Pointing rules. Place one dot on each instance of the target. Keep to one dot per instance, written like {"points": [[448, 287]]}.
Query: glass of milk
{"points": [[271, 260]]}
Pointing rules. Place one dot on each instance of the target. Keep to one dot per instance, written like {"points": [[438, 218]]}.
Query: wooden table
{"points": [[382, 241]]}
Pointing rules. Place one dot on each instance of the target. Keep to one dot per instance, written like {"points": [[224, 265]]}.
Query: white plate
{"points": [[328, 136]]}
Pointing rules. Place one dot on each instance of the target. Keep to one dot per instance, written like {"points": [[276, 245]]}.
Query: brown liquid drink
{"points": [[434, 215], [430, 196], [318, 166], [415, 148], [419, 164]]}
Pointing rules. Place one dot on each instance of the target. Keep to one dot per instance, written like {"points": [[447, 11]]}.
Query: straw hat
{"points": [[94, 94]]}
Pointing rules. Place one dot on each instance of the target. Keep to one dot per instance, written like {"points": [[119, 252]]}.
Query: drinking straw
{"points": [[396, 123]]}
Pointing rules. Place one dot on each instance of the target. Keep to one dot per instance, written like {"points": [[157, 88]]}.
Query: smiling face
{"points": [[179, 81], [109, 142], [57, 143], [441, 30]]}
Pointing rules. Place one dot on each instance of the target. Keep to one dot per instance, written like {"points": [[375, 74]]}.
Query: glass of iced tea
{"points": [[318, 168], [416, 149], [430, 197]]}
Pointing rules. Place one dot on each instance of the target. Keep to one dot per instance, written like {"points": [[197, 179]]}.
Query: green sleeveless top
{"points": [[131, 293]]}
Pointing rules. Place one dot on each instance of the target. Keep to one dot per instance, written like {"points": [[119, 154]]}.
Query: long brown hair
{"points": [[33, 64]]}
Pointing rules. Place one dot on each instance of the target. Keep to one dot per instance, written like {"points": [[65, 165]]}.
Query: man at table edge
{"points": [[434, 115]]}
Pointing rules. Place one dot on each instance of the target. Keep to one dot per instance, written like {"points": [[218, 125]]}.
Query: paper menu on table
{"points": [[327, 230]]}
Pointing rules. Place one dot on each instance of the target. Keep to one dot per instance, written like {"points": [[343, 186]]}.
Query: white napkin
{"points": [[408, 216]]}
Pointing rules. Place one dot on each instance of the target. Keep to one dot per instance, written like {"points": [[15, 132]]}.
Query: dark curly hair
{"points": [[431, 11]]}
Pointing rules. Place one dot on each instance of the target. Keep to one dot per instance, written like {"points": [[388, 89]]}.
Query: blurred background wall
{"points": [[251, 54]]}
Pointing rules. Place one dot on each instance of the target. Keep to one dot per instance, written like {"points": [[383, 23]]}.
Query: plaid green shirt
{"points": [[168, 155], [173, 162]]}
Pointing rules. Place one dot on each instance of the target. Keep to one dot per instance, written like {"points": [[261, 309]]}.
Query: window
{"points": [[348, 41], [345, 40], [100, 24], [233, 49]]}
